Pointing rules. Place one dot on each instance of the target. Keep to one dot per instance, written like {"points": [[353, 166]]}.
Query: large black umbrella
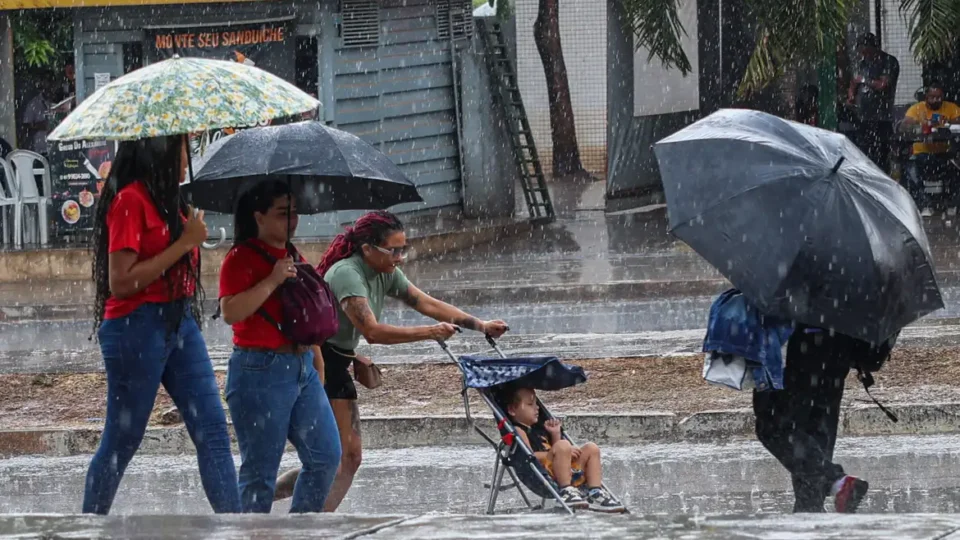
{"points": [[328, 169], [799, 220]]}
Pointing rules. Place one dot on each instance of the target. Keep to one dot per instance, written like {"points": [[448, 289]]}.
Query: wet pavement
{"points": [[524, 527], [520, 527], [585, 254], [592, 285], [908, 474], [571, 331]]}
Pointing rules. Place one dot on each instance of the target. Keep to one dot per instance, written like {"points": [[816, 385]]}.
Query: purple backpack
{"points": [[308, 305]]}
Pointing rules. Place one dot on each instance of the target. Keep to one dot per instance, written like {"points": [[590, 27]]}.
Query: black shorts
{"points": [[336, 370]]}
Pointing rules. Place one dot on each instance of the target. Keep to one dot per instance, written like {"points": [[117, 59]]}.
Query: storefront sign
{"points": [[78, 171], [269, 45]]}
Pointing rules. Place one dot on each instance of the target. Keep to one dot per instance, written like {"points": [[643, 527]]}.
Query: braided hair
{"points": [[157, 162], [372, 228]]}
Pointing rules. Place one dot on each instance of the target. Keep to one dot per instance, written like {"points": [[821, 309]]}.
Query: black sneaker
{"points": [[601, 501], [572, 498]]}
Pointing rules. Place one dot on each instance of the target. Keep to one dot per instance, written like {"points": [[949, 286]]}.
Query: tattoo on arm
{"points": [[410, 297], [470, 323], [358, 310]]}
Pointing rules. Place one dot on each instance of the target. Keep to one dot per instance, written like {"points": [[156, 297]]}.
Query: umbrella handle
{"points": [[219, 242]]}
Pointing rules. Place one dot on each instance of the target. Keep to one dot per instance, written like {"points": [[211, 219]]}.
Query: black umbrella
{"points": [[328, 169], [799, 220]]}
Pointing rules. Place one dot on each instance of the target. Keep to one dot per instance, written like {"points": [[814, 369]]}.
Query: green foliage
{"points": [[656, 24], [43, 39], [792, 31], [934, 28], [789, 32]]}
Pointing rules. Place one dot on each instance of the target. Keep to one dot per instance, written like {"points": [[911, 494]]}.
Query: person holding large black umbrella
{"points": [[273, 382], [809, 230]]}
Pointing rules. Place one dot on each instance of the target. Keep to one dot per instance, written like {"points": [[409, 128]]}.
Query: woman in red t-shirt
{"points": [[148, 295], [273, 387]]}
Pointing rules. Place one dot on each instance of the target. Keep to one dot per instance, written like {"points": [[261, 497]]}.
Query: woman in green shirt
{"points": [[361, 267]]}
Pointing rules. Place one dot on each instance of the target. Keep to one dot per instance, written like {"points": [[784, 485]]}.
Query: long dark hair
{"points": [[258, 199], [372, 228], [157, 163]]}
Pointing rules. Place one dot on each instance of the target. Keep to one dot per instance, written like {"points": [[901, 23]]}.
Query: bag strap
{"points": [[263, 253], [866, 378], [272, 260]]}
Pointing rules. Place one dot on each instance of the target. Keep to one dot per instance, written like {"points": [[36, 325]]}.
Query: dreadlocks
{"points": [[157, 163], [372, 228]]}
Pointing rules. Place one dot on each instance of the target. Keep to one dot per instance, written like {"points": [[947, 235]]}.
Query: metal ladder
{"points": [[507, 93]]}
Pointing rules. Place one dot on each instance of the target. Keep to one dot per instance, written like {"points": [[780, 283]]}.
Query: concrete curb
{"points": [[605, 429]]}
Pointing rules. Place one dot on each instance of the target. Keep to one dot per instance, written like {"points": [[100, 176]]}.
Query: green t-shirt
{"points": [[353, 277]]}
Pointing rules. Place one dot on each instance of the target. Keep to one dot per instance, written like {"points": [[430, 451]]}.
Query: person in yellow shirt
{"points": [[933, 112]]}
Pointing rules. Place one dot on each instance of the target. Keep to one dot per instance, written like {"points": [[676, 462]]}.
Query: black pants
{"points": [[874, 140], [798, 424]]}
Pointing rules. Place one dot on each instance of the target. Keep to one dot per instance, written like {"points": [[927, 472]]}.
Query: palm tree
{"points": [[546, 35], [934, 28], [792, 31]]}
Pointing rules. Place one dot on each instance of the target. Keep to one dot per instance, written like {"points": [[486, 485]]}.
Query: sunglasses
{"points": [[397, 252]]}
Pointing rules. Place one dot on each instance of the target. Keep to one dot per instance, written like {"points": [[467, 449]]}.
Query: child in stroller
{"points": [[573, 468]]}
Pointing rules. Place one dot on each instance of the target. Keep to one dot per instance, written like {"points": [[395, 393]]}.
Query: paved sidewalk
{"points": [[468, 527]]}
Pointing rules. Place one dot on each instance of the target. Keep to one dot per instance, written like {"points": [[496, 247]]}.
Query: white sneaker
{"points": [[926, 212], [602, 501], [572, 498]]}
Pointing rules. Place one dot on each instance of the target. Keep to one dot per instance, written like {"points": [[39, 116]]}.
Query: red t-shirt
{"points": [[134, 223], [244, 267]]}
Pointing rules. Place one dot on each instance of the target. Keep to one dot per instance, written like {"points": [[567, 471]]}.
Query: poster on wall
{"points": [[79, 170], [268, 45]]}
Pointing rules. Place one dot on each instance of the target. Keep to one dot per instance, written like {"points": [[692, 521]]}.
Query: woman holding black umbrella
{"points": [[273, 386]]}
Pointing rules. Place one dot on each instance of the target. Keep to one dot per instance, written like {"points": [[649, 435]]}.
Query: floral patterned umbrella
{"points": [[183, 95]]}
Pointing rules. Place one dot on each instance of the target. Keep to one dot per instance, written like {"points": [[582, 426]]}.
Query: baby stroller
{"points": [[488, 376]]}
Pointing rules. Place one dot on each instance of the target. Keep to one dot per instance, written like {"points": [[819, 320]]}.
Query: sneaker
{"points": [[571, 497], [600, 500], [851, 493], [926, 212]]}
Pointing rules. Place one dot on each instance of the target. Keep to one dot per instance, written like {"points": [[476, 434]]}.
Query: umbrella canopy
{"points": [[328, 170], [799, 220], [538, 372], [183, 95]]}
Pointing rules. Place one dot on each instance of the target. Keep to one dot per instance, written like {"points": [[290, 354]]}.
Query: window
{"points": [[462, 13], [359, 23]]}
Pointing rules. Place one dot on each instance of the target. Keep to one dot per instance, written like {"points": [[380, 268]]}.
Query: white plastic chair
{"points": [[24, 166], [8, 201]]}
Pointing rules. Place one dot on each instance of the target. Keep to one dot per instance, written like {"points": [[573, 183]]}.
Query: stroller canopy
{"points": [[538, 372]]}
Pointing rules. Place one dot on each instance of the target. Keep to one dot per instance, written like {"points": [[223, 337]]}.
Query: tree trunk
{"points": [[546, 34]]}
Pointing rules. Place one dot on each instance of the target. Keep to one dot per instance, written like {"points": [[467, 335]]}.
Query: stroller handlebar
{"points": [[490, 340]]}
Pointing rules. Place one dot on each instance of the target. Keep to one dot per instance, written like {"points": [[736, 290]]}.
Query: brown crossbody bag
{"points": [[365, 371]]}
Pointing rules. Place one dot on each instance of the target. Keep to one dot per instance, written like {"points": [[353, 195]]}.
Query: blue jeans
{"points": [[141, 353], [915, 178], [274, 397]]}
